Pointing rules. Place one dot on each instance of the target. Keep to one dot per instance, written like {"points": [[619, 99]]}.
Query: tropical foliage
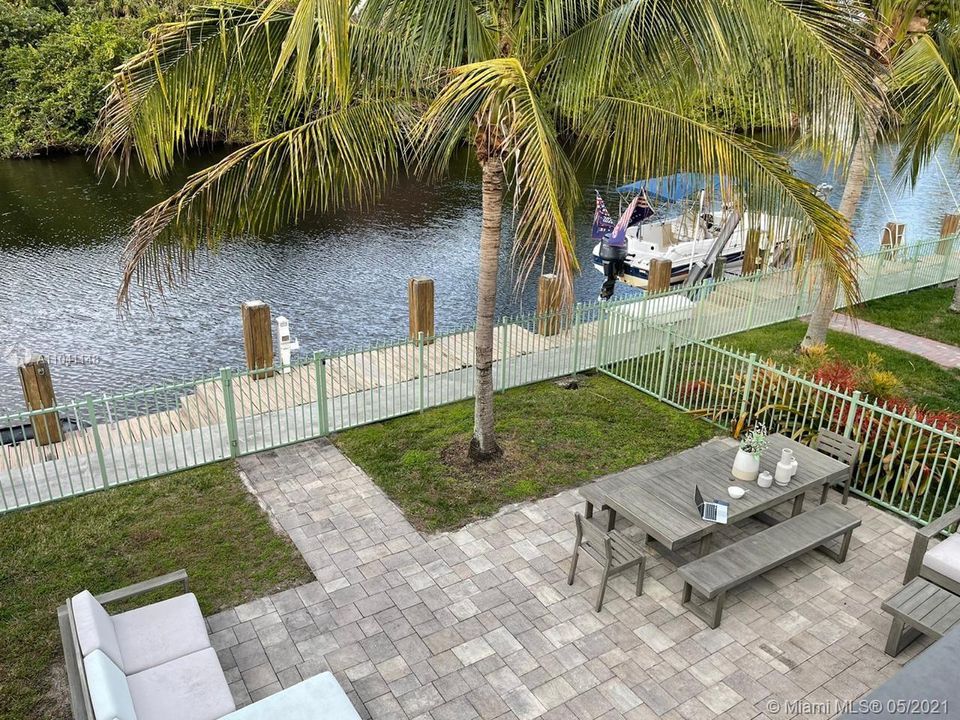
{"points": [[55, 59], [340, 96]]}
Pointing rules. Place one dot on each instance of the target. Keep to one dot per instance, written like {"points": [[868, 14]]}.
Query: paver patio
{"points": [[481, 623]]}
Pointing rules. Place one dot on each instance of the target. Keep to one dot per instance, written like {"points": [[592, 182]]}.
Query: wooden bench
{"points": [[920, 607], [712, 576]]}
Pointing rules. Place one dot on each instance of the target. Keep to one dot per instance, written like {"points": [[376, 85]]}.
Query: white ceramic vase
{"points": [[746, 466], [786, 468]]}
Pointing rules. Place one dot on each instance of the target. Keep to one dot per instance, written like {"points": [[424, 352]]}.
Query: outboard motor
{"points": [[613, 257]]}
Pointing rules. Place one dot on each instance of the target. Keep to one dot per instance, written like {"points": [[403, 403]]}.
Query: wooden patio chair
{"points": [[613, 550], [839, 448]]}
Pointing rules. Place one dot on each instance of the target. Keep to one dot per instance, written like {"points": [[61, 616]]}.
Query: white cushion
{"points": [[109, 692], [189, 688], [95, 629], [944, 557], [317, 698], [155, 634]]}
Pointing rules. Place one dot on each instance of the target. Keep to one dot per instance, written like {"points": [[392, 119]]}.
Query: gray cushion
{"points": [[944, 557], [152, 635], [317, 698], [95, 629], [109, 693], [189, 688]]}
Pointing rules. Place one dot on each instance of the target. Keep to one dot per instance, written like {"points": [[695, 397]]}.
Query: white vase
{"points": [[786, 468], [746, 466]]}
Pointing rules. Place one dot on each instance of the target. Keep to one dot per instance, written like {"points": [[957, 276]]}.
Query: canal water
{"points": [[340, 279]]}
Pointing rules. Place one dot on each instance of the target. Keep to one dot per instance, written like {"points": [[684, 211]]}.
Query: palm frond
{"points": [[497, 94], [634, 139], [801, 61], [208, 73], [927, 91], [344, 158]]}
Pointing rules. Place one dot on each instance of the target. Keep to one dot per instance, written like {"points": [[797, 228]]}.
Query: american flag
{"points": [[602, 222]]}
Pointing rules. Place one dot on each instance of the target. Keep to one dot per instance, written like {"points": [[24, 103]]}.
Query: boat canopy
{"points": [[673, 188]]}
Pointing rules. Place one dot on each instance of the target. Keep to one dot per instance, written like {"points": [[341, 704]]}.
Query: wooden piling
{"points": [[38, 394], [257, 338], [549, 304], [658, 275], [949, 230], [420, 298], [751, 253]]}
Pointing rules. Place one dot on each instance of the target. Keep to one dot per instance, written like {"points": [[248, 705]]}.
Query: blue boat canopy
{"points": [[673, 188]]}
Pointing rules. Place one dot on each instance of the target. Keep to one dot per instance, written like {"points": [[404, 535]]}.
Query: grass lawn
{"points": [[923, 312], [202, 520], [553, 438], [924, 382]]}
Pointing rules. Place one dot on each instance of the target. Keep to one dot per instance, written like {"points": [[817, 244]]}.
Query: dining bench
{"points": [[710, 577]]}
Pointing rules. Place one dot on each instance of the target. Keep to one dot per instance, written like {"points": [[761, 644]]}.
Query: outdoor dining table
{"points": [[658, 497]]}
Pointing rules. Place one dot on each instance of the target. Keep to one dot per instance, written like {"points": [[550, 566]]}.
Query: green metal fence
{"points": [[118, 439]]}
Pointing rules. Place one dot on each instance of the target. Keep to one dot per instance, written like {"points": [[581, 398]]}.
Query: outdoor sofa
{"points": [[156, 663]]}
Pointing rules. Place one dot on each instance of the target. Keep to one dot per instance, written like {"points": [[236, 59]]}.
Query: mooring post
{"points": [[751, 252], [658, 275], [549, 304], [37, 384], [257, 338], [420, 298]]}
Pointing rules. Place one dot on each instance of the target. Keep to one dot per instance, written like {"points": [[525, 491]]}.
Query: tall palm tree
{"points": [[928, 89], [924, 63], [339, 96]]}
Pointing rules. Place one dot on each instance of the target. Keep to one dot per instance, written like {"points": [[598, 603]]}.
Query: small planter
{"points": [[746, 466]]}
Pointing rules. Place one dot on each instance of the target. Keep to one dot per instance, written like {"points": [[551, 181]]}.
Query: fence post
{"points": [[229, 408], [320, 376], [747, 384], [421, 372], [97, 443], [601, 332], [504, 349], [577, 319], [948, 248], [753, 300], [913, 268], [665, 370], [851, 414], [876, 277]]}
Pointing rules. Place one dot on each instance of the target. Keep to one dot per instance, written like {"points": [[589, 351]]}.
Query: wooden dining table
{"points": [[658, 497]]}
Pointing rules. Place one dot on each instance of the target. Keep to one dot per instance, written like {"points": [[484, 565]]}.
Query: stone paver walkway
{"points": [[480, 623], [942, 354]]}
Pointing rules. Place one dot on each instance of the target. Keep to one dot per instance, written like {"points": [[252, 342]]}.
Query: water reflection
{"points": [[341, 279]]}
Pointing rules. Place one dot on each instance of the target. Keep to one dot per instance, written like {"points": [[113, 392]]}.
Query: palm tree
{"points": [[926, 64], [928, 89], [339, 96]]}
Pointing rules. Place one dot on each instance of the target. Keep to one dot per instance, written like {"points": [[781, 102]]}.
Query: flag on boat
{"points": [[618, 238], [602, 222]]}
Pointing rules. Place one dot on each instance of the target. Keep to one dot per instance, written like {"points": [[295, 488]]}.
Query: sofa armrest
{"points": [[179, 576], [922, 538]]}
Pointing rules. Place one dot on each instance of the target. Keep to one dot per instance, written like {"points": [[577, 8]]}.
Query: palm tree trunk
{"points": [[484, 446], [852, 192]]}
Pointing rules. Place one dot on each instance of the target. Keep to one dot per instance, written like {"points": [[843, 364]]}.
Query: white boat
{"points": [[689, 232], [684, 242]]}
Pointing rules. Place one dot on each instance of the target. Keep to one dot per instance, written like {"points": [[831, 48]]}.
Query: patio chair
{"points": [[941, 563], [613, 550], [839, 448]]}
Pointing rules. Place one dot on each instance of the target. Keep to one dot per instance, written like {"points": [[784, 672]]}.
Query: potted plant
{"points": [[746, 465]]}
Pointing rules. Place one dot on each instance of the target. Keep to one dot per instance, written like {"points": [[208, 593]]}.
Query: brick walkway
{"points": [[481, 622], [942, 354]]}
